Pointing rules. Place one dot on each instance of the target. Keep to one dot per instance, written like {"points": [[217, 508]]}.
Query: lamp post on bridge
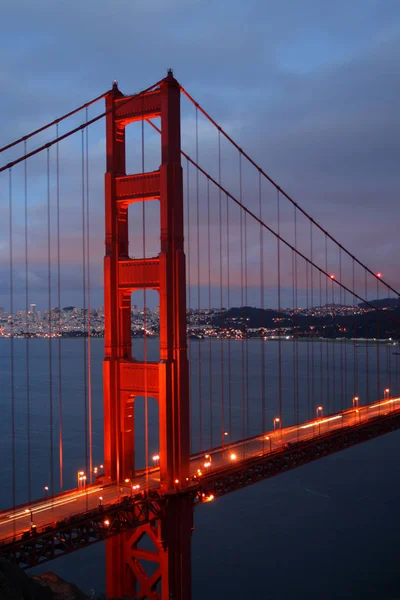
{"points": [[318, 410], [355, 401], [278, 423]]}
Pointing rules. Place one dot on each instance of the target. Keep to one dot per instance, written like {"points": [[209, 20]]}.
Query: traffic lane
{"points": [[45, 513]]}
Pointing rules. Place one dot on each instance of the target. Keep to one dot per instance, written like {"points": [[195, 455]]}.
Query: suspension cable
{"points": [[285, 242], [281, 191], [76, 129], [57, 121]]}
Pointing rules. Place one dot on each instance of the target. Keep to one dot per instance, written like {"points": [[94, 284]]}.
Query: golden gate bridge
{"points": [[227, 235]]}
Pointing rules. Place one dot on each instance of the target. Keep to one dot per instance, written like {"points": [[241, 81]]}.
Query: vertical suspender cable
{"points": [[327, 336], [84, 309], [388, 356], [27, 340], [312, 320], [355, 376], [341, 336], [295, 307], [89, 339], [333, 347], [262, 298], [228, 283], [378, 353], [321, 367], [221, 295], [242, 304], [50, 327], [367, 336], [209, 314], [247, 327], [60, 406], [198, 282], [188, 279], [12, 362], [279, 308], [345, 351]]}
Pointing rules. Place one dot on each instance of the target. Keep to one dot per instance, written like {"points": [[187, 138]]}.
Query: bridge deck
{"points": [[227, 467]]}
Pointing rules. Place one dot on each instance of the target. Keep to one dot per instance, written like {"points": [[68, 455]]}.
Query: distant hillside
{"points": [[368, 325], [382, 303]]}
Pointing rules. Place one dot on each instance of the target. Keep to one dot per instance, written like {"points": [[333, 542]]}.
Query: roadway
{"points": [[48, 511]]}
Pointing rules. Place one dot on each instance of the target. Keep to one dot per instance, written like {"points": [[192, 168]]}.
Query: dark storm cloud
{"points": [[309, 89]]}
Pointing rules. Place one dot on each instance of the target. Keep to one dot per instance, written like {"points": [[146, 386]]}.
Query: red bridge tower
{"points": [[125, 378]]}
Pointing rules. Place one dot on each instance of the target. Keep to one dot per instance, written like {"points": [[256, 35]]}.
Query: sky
{"points": [[309, 89]]}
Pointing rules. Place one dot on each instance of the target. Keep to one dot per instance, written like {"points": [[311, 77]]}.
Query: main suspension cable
{"points": [[75, 130], [281, 191], [56, 122]]}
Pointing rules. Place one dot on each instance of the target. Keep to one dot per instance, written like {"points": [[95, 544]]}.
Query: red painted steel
{"points": [[124, 378]]}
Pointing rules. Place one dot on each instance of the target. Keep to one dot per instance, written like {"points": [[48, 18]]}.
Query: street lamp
{"points": [[233, 456], [267, 437], [30, 512], [386, 393], [100, 501], [318, 410], [277, 421], [355, 401], [46, 490], [156, 460], [129, 481], [80, 477]]}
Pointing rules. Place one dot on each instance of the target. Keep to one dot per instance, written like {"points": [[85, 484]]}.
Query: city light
{"points": [[233, 456]]}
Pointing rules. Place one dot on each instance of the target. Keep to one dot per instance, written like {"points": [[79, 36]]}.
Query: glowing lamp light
{"points": [[332, 276], [233, 456], [176, 480], [379, 275], [106, 522]]}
